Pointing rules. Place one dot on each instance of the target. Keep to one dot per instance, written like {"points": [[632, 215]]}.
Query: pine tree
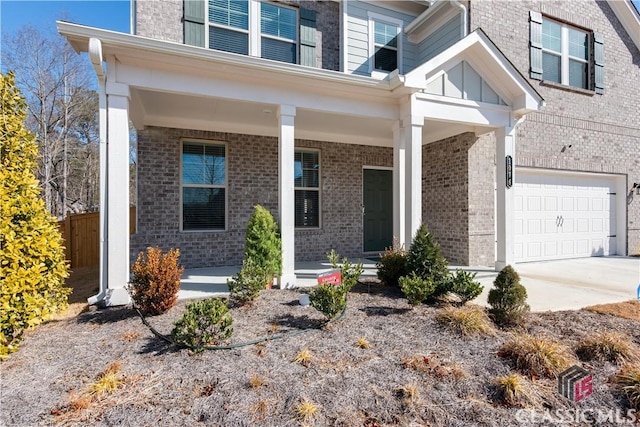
{"points": [[425, 258], [263, 244], [508, 299], [32, 259]]}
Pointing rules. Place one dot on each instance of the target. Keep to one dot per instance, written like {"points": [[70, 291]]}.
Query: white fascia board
{"points": [[115, 42], [445, 109], [629, 18], [489, 62]]}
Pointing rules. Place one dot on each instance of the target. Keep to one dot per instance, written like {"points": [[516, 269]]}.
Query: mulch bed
{"points": [[44, 383]]}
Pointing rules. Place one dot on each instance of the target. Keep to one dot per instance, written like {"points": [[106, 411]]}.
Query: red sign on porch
{"points": [[332, 277]]}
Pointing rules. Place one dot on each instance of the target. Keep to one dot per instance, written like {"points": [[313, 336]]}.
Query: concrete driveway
{"points": [[575, 283]]}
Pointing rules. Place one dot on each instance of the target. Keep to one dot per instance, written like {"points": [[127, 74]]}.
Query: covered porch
{"points": [[211, 94]]}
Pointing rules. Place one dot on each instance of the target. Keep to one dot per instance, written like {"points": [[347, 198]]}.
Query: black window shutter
{"points": [[598, 62], [307, 37], [535, 44], [194, 22]]}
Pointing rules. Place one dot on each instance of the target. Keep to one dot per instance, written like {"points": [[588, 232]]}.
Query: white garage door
{"points": [[563, 216]]}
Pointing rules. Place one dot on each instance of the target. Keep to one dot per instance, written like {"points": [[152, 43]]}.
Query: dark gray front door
{"points": [[378, 209]]}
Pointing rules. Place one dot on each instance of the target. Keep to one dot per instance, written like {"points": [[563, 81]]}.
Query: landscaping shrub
{"points": [[627, 381], [32, 258], [155, 280], [393, 264], [416, 289], [508, 299], [426, 261], [350, 273], [329, 299], [610, 346], [466, 320], [262, 243], [204, 322], [463, 285], [513, 390], [537, 356], [247, 284]]}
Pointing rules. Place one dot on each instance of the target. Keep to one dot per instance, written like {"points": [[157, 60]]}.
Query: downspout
{"points": [[95, 54], [464, 17]]}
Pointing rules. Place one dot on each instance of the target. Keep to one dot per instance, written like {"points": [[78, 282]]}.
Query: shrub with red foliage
{"points": [[156, 280]]}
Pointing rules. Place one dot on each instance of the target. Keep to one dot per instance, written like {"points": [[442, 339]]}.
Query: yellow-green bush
{"points": [[32, 260]]}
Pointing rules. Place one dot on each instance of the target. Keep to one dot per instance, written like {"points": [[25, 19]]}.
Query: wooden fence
{"points": [[81, 234]]}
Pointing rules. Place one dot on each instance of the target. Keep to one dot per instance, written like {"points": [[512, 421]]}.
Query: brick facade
{"points": [[162, 20], [252, 179], [602, 130]]}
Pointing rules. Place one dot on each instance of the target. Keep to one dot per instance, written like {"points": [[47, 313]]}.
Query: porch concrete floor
{"points": [[551, 285]]}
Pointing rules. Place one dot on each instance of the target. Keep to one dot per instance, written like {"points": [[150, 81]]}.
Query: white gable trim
{"points": [[628, 17], [492, 66]]}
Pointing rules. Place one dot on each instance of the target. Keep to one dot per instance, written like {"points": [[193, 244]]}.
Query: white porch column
{"points": [[413, 175], [399, 208], [286, 192], [117, 203], [505, 146]]}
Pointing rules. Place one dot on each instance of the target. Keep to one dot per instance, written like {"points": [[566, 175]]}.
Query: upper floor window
{"points": [[204, 180], [565, 54], [279, 31], [385, 40], [307, 188], [230, 29], [229, 25]]}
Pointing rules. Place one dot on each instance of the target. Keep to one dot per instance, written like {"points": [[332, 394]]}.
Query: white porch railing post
{"points": [[286, 192], [505, 155]]}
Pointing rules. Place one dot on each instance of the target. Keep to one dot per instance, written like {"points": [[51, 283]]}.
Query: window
{"points": [[204, 178], [230, 29], [307, 188], [279, 30], [229, 25], [565, 54], [385, 44]]}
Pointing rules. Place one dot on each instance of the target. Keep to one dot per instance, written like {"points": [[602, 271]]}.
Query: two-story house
{"points": [[510, 128]]}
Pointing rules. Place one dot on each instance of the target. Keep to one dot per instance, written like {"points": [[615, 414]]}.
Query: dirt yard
{"points": [[54, 379]]}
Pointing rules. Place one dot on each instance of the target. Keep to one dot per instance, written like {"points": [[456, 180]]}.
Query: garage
{"points": [[563, 215]]}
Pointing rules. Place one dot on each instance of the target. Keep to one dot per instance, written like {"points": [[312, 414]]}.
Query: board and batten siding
{"points": [[358, 55], [440, 40]]}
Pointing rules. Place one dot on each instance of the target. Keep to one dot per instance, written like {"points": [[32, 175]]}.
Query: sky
{"points": [[107, 14]]}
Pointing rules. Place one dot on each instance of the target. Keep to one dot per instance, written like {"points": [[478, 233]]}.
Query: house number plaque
{"points": [[509, 171]]}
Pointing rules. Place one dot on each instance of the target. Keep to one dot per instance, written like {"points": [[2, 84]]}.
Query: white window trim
{"points": [[373, 17], [225, 186], [564, 53], [318, 188], [255, 28]]}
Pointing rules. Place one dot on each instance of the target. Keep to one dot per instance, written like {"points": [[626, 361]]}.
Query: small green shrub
{"points": [[393, 264], [416, 289], [349, 272], [508, 299], [262, 243], [247, 284], [204, 322], [426, 261], [155, 280], [329, 299], [464, 286]]}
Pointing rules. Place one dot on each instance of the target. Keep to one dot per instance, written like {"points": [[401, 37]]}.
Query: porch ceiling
{"points": [[153, 108]]}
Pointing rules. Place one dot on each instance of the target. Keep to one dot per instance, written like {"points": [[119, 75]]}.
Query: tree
{"points": [[32, 259], [62, 114]]}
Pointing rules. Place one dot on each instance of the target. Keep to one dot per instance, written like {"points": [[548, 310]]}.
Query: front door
{"points": [[377, 209]]}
